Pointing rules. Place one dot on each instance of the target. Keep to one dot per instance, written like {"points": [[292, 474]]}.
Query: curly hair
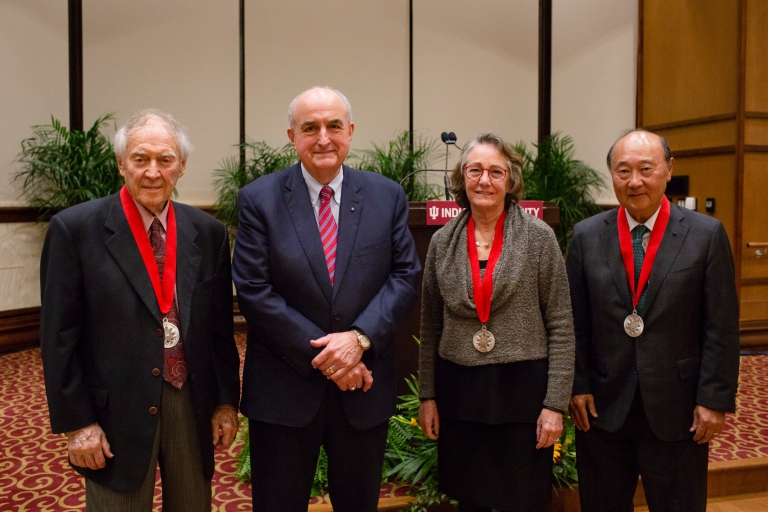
{"points": [[514, 169]]}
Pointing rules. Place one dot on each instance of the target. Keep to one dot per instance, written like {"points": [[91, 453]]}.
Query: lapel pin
{"points": [[353, 208]]}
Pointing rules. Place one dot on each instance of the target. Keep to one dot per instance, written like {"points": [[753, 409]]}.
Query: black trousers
{"points": [[674, 472], [283, 460]]}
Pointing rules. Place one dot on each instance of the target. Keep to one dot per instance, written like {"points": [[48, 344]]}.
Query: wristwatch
{"points": [[362, 340]]}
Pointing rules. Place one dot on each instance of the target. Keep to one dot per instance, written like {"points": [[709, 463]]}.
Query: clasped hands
{"points": [[340, 361], [88, 446]]}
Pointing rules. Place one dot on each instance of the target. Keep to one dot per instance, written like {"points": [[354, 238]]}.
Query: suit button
{"points": [[153, 410], [155, 371], [159, 333], [337, 316]]}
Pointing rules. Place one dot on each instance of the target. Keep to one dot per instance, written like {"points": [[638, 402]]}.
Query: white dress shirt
{"points": [[314, 187], [648, 224]]}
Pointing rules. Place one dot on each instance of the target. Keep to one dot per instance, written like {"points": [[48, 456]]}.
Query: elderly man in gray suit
{"points": [[657, 338]]}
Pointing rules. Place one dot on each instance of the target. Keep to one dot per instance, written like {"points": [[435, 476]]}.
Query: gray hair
{"points": [[662, 140], [338, 93], [141, 118], [514, 169]]}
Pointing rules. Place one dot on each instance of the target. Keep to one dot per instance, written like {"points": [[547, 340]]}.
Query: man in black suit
{"points": [[657, 339], [325, 270], [136, 331]]}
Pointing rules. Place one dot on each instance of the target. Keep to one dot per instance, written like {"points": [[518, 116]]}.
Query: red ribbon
{"points": [[625, 242], [165, 288], [483, 289]]}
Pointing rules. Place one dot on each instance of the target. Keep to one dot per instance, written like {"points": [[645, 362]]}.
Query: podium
{"points": [[407, 348]]}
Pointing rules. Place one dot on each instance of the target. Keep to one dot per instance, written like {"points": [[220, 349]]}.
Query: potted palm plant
{"points": [[61, 167]]}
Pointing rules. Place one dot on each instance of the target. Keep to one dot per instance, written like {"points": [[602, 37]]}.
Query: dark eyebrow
{"points": [[644, 161]]}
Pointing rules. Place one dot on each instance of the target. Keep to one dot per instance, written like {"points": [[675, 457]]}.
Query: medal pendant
{"points": [[171, 334], [483, 340], [633, 324]]}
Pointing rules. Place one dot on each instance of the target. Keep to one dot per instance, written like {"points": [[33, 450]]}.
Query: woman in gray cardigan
{"points": [[497, 342]]}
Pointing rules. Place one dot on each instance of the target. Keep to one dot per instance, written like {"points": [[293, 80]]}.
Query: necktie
{"points": [[637, 248], [328, 230], [174, 362]]}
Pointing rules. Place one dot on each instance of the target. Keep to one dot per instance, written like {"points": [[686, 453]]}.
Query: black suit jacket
{"points": [[688, 353], [286, 296], [100, 331]]}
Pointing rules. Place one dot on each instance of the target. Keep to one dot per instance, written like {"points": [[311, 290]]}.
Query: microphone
{"points": [[448, 139]]}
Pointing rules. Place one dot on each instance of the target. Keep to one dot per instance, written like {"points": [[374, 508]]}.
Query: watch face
{"points": [[363, 340]]}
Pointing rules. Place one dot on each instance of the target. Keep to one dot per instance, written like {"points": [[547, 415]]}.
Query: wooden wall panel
{"points": [[690, 59], [757, 56], [712, 176], [756, 129], [755, 227], [707, 135]]}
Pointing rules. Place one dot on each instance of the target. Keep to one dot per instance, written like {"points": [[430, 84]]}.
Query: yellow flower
{"points": [[556, 453], [414, 422]]}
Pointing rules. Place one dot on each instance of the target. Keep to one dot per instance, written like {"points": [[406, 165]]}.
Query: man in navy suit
{"points": [[325, 269], [657, 338]]}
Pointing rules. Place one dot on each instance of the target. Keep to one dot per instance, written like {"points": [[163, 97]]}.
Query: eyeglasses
{"points": [[475, 172]]}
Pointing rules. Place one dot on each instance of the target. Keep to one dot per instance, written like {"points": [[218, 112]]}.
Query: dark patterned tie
{"points": [[637, 248], [328, 230], [174, 362]]}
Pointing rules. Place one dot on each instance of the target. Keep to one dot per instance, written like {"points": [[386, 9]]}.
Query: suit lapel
{"points": [[350, 210], [300, 207], [610, 241], [673, 239], [126, 253], [187, 267]]}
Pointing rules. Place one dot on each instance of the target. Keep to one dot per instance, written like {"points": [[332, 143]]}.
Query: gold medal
{"points": [[171, 334], [483, 340], [633, 324]]}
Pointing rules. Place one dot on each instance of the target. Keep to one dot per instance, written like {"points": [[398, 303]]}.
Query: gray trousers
{"points": [[177, 449]]}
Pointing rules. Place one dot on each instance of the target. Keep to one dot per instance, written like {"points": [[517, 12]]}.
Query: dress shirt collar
{"points": [[315, 186], [649, 223], [147, 217]]}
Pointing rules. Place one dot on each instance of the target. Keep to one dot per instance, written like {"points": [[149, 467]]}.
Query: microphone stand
{"points": [[448, 139]]}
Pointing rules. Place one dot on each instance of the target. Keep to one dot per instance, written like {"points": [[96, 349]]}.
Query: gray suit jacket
{"points": [[688, 353]]}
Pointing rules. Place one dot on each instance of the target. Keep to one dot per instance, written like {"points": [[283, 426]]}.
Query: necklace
{"points": [[485, 246]]}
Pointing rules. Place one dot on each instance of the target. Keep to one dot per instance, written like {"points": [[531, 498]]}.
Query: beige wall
{"points": [[291, 46], [594, 70], [34, 81], [475, 69], [182, 58]]}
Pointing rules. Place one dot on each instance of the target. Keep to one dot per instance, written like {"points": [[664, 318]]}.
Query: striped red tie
{"points": [[328, 230]]}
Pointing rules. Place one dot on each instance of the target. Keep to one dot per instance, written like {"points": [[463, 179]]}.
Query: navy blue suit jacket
{"points": [[286, 296], [688, 353]]}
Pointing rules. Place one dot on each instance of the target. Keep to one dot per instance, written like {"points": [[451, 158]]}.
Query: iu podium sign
{"points": [[440, 212]]}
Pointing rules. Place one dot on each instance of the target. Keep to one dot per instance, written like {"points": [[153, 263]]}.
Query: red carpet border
{"points": [[35, 475]]}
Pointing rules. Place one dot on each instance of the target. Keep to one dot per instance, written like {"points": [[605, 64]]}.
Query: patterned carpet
{"points": [[35, 475]]}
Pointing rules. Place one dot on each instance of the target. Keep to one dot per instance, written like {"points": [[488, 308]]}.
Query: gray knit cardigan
{"points": [[530, 310]]}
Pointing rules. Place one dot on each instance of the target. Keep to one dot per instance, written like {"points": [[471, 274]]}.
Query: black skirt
{"points": [[487, 452], [494, 466]]}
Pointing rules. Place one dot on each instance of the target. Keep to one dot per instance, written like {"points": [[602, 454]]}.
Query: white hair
{"points": [[338, 93], [141, 118]]}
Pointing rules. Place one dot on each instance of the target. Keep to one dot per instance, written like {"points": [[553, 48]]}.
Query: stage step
{"points": [[734, 486], [750, 502]]}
